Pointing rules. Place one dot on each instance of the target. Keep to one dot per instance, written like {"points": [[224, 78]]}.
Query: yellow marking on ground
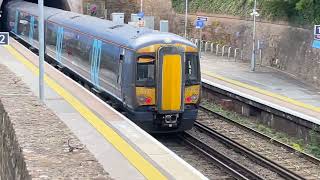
{"points": [[264, 92], [136, 159]]}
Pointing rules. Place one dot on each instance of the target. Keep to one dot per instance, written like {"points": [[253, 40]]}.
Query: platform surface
{"points": [[265, 83], [124, 150]]}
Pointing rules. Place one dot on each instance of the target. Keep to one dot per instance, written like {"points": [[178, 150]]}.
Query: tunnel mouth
{"points": [[59, 4]]}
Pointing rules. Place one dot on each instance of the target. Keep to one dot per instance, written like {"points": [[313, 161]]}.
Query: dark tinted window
{"points": [[192, 68], [75, 49], [27, 26], [109, 62], [146, 72], [24, 24], [51, 35]]}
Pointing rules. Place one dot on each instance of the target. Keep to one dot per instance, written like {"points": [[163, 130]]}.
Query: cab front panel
{"points": [[167, 88]]}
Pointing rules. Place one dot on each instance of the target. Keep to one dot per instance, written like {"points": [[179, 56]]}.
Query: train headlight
{"points": [[192, 94], [145, 96], [192, 99], [142, 100]]}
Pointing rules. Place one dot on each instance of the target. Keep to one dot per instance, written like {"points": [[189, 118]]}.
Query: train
{"points": [[154, 76]]}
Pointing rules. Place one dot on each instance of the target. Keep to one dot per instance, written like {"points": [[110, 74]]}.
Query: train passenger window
{"points": [[51, 36], [109, 62], [12, 19], [192, 68], [146, 71], [24, 24], [36, 30]]}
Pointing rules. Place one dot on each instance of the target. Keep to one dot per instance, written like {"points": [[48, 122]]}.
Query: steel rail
{"points": [[261, 135], [259, 159], [235, 169]]}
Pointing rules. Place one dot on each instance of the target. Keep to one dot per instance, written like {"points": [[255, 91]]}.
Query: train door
{"points": [[119, 86], [170, 80]]}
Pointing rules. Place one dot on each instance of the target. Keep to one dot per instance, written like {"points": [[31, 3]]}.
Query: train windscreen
{"points": [[145, 71], [192, 69]]}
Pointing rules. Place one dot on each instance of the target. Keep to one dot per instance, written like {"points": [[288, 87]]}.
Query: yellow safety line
{"points": [[264, 92], [136, 159]]}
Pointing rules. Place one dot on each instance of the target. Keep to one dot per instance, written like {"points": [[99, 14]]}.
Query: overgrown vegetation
{"points": [[313, 147], [303, 12]]}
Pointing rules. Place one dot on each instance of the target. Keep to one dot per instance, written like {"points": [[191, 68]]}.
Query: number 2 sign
{"points": [[4, 38]]}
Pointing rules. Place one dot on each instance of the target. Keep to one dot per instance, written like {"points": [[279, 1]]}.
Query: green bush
{"points": [[304, 12]]}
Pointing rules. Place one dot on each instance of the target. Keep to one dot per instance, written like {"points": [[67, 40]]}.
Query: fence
{"points": [[219, 49]]}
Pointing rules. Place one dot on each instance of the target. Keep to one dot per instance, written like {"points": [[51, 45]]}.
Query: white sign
{"points": [[4, 38], [202, 18], [317, 32]]}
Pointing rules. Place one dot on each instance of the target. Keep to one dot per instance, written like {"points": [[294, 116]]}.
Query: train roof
{"points": [[124, 35], [32, 8]]}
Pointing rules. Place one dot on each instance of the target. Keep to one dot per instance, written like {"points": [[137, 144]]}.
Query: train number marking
{"points": [[4, 38]]}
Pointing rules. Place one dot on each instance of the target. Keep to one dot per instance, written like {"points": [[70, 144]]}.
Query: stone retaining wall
{"points": [[284, 47], [35, 144]]}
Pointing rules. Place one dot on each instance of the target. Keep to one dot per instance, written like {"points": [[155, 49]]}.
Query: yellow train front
{"points": [[167, 84], [154, 77]]}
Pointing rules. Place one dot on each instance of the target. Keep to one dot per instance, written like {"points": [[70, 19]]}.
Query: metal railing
{"points": [[218, 49]]}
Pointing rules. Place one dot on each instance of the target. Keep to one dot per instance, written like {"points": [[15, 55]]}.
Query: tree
{"points": [[300, 11]]}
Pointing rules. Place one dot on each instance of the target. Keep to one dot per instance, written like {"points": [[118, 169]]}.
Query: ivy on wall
{"points": [[302, 12]]}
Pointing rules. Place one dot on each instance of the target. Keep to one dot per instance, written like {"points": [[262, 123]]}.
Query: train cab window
{"points": [[192, 68], [146, 71]]}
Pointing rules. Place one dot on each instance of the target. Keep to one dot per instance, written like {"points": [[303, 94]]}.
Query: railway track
{"points": [[218, 160], [187, 151], [230, 166], [261, 149]]}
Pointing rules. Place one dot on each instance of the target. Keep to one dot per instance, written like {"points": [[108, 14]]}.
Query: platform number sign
{"points": [[4, 38], [317, 32]]}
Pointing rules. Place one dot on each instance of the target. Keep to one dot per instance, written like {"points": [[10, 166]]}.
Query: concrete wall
{"points": [[74, 5], [34, 142]]}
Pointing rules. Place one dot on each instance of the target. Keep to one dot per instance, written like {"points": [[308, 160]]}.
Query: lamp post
{"points": [[186, 20], [253, 57], [41, 50], [141, 5]]}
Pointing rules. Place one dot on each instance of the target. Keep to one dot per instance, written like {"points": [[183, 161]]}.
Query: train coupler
{"points": [[169, 120]]}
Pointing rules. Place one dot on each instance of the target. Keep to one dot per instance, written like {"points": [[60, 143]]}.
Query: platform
{"points": [[270, 86], [124, 150]]}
